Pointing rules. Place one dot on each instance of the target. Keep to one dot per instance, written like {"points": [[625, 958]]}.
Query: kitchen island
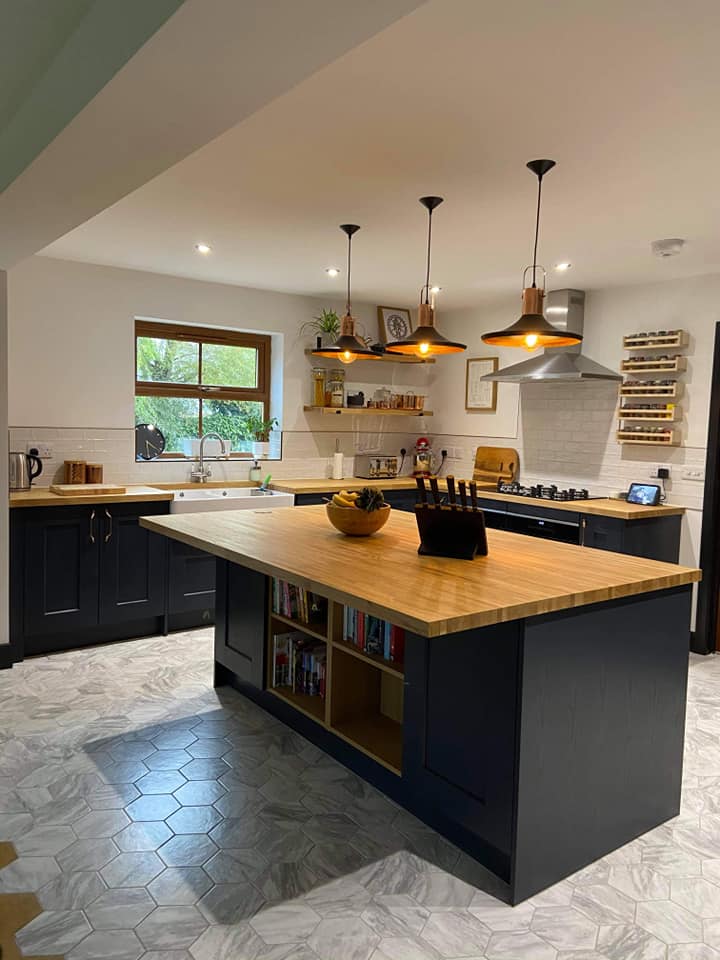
{"points": [[537, 716]]}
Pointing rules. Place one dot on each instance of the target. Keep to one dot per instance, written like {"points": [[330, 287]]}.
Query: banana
{"points": [[340, 501]]}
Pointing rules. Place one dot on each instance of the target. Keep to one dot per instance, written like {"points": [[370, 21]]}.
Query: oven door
{"points": [[565, 531]]}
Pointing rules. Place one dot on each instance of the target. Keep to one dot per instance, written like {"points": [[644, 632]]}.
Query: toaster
{"points": [[375, 467]]}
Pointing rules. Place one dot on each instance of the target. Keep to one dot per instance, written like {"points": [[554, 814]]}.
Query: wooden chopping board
{"points": [[496, 463], [85, 489]]}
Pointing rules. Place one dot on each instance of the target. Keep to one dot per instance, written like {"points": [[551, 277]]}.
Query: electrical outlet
{"points": [[658, 475], [44, 450], [459, 453], [693, 474]]}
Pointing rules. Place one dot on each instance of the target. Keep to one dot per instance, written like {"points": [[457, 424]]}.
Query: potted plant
{"points": [[326, 327], [259, 430]]}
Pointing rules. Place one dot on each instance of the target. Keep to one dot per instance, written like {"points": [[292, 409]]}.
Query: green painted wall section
{"points": [[55, 55]]}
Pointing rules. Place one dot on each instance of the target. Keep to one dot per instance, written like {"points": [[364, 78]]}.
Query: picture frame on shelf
{"points": [[394, 323], [480, 396]]}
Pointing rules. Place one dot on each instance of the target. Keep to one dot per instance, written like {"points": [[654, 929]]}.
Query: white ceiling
{"points": [[454, 99]]}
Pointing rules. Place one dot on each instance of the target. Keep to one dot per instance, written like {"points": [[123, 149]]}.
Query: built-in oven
{"points": [[564, 531]]}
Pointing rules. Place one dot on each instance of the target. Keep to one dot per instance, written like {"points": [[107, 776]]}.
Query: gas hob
{"points": [[542, 491]]}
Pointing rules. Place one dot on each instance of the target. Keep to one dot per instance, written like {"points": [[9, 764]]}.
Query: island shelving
{"points": [[493, 729]]}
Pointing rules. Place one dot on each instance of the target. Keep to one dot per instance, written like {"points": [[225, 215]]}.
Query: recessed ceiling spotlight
{"points": [[669, 247], [435, 289], [562, 266], [203, 248], [332, 271]]}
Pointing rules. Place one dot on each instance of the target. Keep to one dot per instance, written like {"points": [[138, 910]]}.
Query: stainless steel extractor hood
{"points": [[565, 309]]}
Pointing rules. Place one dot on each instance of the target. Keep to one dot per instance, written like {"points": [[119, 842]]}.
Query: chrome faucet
{"points": [[202, 473]]}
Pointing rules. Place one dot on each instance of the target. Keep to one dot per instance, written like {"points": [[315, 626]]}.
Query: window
{"points": [[194, 380]]}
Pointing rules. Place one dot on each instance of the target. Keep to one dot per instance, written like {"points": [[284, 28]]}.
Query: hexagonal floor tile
{"points": [[53, 932], [100, 823], [110, 945], [121, 908], [204, 748], [228, 903], [28, 874], [168, 759], [179, 885], [194, 819], [286, 923], [71, 891], [235, 866], [171, 928], [131, 750], [87, 855], [152, 807], [160, 781], [132, 869], [565, 928], [174, 740], [187, 850], [110, 796], [143, 835], [697, 895], [329, 937], [123, 771], [209, 768], [199, 792], [44, 841]]}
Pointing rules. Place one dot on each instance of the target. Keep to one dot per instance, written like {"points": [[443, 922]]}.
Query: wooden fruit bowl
{"points": [[355, 522]]}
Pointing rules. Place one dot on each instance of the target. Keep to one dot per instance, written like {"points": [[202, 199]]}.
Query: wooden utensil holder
{"points": [[75, 471], [94, 473], [446, 532]]}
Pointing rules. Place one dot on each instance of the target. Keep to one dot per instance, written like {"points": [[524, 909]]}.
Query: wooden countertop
{"points": [[383, 574], [41, 497], [604, 507]]}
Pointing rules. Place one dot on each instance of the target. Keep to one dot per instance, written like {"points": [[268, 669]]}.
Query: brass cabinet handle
{"points": [[109, 533], [583, 525], [92, 527]]}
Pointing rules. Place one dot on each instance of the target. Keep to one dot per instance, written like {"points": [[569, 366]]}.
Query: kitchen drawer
{"points": [[545, 513]]}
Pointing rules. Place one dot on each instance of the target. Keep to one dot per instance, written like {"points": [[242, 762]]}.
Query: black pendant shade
{"points": [[348, 347], [532, 330], [426, 340]]}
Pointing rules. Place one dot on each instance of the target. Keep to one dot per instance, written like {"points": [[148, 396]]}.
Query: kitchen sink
{"points": [[228, 498]]}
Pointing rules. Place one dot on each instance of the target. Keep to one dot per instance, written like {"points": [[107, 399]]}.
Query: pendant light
{"points": [[532, 330], [425, 340], [348, 346]]}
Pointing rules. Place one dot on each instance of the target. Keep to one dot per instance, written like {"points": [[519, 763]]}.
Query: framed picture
{"points": [[393, 324], [479, 394]]}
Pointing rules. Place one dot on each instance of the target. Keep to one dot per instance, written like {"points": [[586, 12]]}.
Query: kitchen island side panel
{"points": [[602, 720]]}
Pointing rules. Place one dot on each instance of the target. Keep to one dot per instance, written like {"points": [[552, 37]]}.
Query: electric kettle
{"points": [[22, 470]]}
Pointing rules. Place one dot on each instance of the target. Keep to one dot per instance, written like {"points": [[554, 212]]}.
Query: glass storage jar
{"points": [[336, 387], [318, 387]]}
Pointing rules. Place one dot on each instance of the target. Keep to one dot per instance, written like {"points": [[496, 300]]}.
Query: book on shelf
{"points": [[373, 635], [296, 603], [299, 663]]}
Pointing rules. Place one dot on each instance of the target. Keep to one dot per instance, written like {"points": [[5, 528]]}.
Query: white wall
{"points": [[71, 347], [566, 432]]}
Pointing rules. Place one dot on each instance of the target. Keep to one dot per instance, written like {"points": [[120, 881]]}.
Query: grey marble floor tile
{"points": [[87, 855], [692, 951], [202, 749], [28, 874], [350, 938], [108, 945], [519, 946], [436, 890], [179, 885], [198, 792], [14, 825], [132, 869], [334, 859], [342, 897], [395, 915], [603, 904], [131, 750], [61, 811], [121, 908], [112, 796], [629, 942], [235, 866], [143, 835], [404, 948], [44, 841], [501, 917], [330, 827], [123, 771], [228, 903], [53, 932], [194, 819], [457, 933], [696, 894], [205, 768], [564, 928], [669, 922], [160, 781], [239, 802], [101, 823], [167, 760], [286, 880], [187, 850], [152, 807], [671, 861], [167, 955], [171, 928], [285, 923], [174, 740], [71, 891], [230, 942], [640, 882]]}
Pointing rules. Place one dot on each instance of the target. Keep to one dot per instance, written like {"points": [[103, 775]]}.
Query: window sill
{"points": [[236, 458]]}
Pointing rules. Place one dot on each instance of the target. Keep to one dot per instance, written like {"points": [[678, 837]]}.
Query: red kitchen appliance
{"points": [[423, 458]]}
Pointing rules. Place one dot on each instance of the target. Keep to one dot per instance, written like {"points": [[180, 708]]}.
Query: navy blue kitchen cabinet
{"points": [[657, 538], [83, 575]]}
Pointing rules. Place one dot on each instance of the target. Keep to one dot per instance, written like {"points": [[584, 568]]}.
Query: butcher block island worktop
{"points": [[432, 596], [529, 705]]}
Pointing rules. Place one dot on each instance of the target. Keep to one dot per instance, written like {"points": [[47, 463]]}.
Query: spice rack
{"points": [[651, 401]]}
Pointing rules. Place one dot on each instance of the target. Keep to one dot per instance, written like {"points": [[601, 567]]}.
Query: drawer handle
{"points": [[92, 527], [109, 533]]}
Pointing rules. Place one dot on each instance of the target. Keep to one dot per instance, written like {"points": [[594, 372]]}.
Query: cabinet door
{"points": [[604, 533], [61, 570], [240, 622], [133, 564], [192, 578]]}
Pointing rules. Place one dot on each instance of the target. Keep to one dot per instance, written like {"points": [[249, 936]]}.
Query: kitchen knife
{"points": [[435, 491], [463, 494], [420, 481], [473, 494], [451, 491]]}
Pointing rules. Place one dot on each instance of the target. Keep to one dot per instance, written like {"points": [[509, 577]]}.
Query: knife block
{"points": [[445, 532]]}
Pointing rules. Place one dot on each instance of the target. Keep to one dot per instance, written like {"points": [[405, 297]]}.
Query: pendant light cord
{"points": [[537, 228], [427, 274], [347, 305]]}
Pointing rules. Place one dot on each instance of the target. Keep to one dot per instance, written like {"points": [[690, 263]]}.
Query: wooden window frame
{"points": [[199, 391]]}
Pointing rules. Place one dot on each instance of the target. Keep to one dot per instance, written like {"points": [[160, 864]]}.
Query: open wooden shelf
{"points": [[671, 439], [377, 736], [676, 365], [374, 411], [389, 666], [648, 392], [311, 631], [671, 415], [313, 707], [678, 339], [382, 357]]}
